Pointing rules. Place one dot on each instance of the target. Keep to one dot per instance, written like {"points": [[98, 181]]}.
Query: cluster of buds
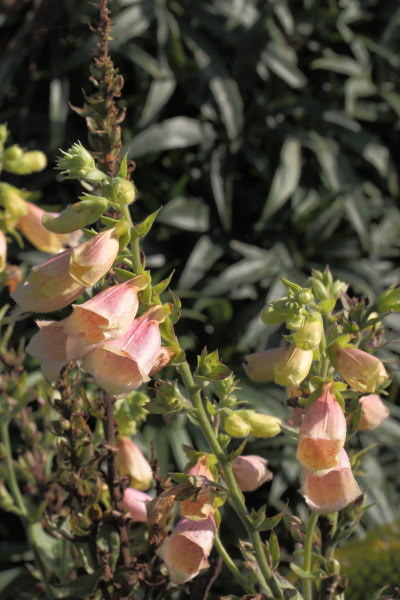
{"points": [[15, 160]]}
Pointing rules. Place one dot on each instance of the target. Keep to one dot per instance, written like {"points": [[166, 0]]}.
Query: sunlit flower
{"points": [[361, 370], [131, 461], [135, 501], [250, 472]]}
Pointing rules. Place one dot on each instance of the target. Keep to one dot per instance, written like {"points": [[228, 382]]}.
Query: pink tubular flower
{"points": [[49, 345], [362, 371], [61, 279], [373, 412], [322, 433], [333, 490], [135, 501], [202, 507], [123, 364], [131, 461], [260, 365], [186, 550], [30, 225], [105, 316], [250, 472]]}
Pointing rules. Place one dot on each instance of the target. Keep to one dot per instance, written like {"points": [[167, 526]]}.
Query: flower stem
{"points": [[134, 243], [307, 563], [19, 501], [248, 588], [267, 580]]}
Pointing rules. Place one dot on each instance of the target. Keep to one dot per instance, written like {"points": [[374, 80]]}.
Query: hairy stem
{"points": [[307, 560], [267, 580]]}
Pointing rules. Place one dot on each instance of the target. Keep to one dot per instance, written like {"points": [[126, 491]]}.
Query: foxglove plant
{"points": [[117, 340]]}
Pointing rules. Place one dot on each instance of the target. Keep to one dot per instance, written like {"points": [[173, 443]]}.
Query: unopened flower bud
{"points": [[305, 296], [250, 472], [135, 501], [373, 412], [263, 426], [14, 205], [310, 334], [293, 367], [78, 215], [3, 135], [272, 316], [361, 370], [13, 152], [78, 163], [122, 191], [389, 300], [28, 162], [260, 365], [235, 426], [322, 433], [130, 461]]}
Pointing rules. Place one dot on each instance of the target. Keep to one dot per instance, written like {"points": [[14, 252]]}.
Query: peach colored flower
{"points": [[30, 225], [123, 364], [250, 472], [333, 490], [203, 506], [131, 461], [61, 279], [373, 412], [49, 345], [260, 365], [361, 370], [186, 550], [135, 501], [293, 366], [322, 433]]}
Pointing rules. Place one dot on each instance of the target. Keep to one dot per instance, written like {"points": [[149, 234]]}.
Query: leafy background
{"points": [[269, 131]]}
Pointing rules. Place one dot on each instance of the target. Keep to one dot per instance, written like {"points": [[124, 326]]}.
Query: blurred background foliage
{"points": [[269, 131]]}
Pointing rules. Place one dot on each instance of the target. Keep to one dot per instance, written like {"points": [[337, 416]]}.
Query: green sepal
{"points": [[124, 274], [258, 516], [238, 452], [123, 167], [162, 285], [326, 306], [144, 227], [271, 522], [273, 544], [291, 285]]}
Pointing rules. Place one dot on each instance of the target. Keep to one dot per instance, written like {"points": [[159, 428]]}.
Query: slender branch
{"points": [[307, 561], [267, 580]]}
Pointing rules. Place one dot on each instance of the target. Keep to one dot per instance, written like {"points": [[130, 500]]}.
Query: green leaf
{"points": [[144, 227], [186, 213], [177, 132]]}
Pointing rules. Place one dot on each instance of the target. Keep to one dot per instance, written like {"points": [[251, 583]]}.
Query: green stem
{"points": [[134, 243], [248, 588], [307, 563], [19, 501], [235, 495]]}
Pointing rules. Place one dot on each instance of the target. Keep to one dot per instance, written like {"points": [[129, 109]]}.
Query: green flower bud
{"points": [[77, 215], [320, 290], [271, 316], [78, 163], [293, 367], [310, 334], [122, 191], [263, 426], [294, 321], [389, 300], [305, 296], [235, 426], [14, 205], [169, 398], [13, 152], [28, 162], [3, 135]]}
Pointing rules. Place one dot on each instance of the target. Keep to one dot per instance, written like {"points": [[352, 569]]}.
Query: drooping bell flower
{"points": [[333, 490], [361, 370], [259, 366], [322, 433], [293, 367], [30, 225], [309, 335], [123, 364], [105, 316], [135, 501], [49, 345], [60, 280], [203, 505], [131, 461], [186, 551], [373, 412], [250, 472]]}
